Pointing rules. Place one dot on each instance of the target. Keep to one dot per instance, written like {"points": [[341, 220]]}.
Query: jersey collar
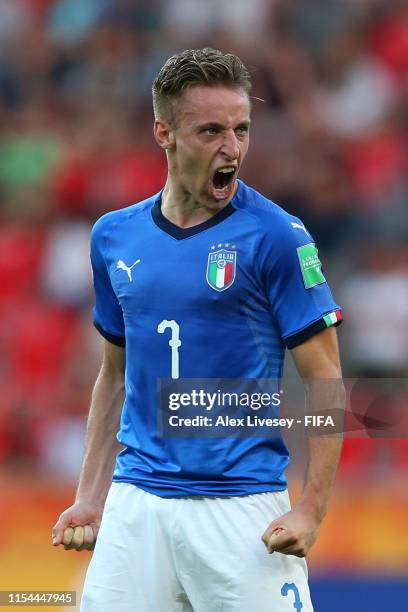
{"points": [[179, 233]]}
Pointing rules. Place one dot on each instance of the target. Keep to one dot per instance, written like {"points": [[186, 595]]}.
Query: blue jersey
{"points": [[240, 288]]}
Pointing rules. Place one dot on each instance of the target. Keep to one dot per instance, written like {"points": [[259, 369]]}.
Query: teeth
{"points": [[226, 170], [223, 188]]}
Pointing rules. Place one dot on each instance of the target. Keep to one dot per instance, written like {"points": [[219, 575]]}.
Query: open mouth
{"points": [[223, 180]]}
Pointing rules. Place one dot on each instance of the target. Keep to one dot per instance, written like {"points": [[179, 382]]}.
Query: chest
{"points": [[215, 274]]}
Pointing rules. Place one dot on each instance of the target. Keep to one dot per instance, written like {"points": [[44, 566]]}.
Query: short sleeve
{"points": [[299, 295], [107, 312]]}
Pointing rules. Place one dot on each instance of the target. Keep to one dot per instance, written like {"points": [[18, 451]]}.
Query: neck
{"points": [[182, 209]]}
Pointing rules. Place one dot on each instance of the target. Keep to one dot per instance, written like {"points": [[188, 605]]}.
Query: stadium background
{"points": [[329, 142]]}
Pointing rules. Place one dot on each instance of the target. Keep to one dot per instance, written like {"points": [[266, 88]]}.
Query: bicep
{"points": [[318, 357], [114, 359]]}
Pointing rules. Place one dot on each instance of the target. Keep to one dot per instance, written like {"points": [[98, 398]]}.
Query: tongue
{"points": [[221, 179], [222, 193]]}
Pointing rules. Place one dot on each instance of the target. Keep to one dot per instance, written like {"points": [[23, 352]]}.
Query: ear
{"points": [[164, 134]]}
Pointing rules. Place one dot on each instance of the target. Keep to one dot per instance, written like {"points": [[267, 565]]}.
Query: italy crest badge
{"points": [[221, 268]]}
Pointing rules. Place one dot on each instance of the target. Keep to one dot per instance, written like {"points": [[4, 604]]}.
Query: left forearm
{"points": [[320, 473], [323, 450]]}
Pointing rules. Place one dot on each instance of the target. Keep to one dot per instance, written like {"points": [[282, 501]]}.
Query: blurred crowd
{"points": [[329, 143]]}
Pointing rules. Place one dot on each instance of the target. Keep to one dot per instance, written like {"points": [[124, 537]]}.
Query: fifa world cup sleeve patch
{"points": [[310, 265]]}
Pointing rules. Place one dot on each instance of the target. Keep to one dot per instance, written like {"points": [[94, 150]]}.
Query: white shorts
{"points": [[200, 554]]}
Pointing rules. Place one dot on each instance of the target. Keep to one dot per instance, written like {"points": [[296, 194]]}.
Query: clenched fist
{"points": [[77, 528]]}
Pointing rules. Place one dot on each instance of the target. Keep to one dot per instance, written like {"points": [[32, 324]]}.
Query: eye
{"points": [[242, 130], [210, 131]]}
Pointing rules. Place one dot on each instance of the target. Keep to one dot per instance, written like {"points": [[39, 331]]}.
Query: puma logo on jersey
{"points": [[298, 226], [128, 269]]}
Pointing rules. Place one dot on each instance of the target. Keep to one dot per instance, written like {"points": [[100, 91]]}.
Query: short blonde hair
{"points": [[195, 67]]}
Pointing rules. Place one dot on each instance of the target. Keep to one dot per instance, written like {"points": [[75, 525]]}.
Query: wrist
{"points": [[314, 508], [91, 498]]}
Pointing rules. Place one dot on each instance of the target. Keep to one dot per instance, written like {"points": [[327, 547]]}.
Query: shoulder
{"points": [[275, 224], [112, 221]]}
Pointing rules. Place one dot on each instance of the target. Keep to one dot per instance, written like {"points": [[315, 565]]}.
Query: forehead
{"points": [[217, 104]]}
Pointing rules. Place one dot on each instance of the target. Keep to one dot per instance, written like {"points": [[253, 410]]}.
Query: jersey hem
{"points": [[177, 492]]}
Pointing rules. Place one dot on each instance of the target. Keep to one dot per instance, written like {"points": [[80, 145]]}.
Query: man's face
{"points": [[211, 140]]}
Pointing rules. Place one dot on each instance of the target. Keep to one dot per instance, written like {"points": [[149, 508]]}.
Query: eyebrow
{"points": [[220, 126]]}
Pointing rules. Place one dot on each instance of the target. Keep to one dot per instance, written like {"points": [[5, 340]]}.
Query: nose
{"points": [[230, 146]]}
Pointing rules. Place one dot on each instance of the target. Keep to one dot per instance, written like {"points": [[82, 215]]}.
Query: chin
{"points": [[216, 203]]}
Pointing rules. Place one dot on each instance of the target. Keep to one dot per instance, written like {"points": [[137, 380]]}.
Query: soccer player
{"points": [[207, 279]]}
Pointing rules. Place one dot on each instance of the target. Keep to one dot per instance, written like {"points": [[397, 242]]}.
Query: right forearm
{"points": [[101, 446]]}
